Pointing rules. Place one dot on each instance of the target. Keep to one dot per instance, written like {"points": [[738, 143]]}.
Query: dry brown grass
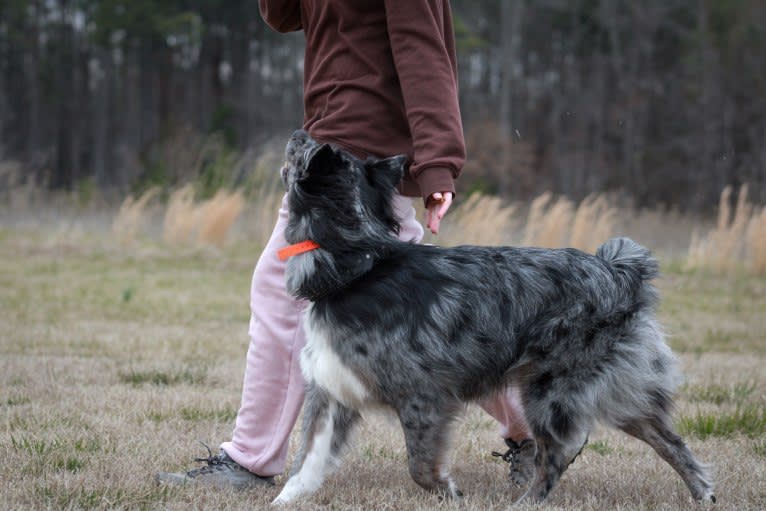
{"points": [[738, 241], [207, 222], [756, 243], [260, 216], [594, 222], [131, 216], [550, 222], [480, 220], [180, 216], [218, 215], [114, 362]]}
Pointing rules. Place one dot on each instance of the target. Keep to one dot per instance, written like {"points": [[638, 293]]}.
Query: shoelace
{"points": [[214, 462], [509, 456]]}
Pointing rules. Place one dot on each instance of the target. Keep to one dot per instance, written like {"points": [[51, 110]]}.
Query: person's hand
{"points": [[436, 207]]}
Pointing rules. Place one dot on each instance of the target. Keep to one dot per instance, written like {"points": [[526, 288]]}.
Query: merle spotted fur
{"points": [[423, 330]]}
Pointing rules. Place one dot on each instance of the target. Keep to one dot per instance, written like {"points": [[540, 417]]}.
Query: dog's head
{"points": [[335, 197]]}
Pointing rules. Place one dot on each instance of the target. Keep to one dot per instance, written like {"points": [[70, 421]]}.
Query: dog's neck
{"points": [[319, 273]]}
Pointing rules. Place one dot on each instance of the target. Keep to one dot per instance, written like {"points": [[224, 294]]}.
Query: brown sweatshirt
{"points": [[380, 79]]}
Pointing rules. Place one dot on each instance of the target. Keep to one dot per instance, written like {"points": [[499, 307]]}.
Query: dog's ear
{"points": [[386, 172], [317, 158]]}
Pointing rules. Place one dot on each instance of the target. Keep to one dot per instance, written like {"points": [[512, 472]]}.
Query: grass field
{"points": [[115, 360]]}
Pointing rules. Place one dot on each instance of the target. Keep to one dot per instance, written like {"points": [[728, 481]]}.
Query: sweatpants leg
{"points": [[272, 391], [507, 409]]}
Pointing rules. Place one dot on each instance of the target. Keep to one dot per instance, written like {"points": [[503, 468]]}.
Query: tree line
{"points": [[663, 101]]}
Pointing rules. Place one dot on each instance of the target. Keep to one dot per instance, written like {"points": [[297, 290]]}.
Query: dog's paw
{"points": [[292, 490], [279, 502]]}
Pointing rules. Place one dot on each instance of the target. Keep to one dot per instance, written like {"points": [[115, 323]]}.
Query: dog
{"points": [[422, 330]]}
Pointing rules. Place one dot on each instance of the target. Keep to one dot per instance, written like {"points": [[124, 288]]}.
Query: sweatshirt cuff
{"points": [[435, 179]]}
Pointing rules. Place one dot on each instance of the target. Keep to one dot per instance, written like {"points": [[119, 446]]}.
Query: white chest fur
{"points": [[321, 365]]}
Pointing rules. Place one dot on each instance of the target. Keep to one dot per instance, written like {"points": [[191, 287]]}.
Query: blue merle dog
{"points": [[421, 330]]}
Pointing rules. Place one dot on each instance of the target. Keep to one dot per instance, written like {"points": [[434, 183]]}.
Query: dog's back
{"points": [[470, 320]]}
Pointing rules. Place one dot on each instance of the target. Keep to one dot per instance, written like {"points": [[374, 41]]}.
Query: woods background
{"points": [[661, 101]]}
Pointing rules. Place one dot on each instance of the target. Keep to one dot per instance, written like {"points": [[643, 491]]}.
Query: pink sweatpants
{"points": [[272, 392]]}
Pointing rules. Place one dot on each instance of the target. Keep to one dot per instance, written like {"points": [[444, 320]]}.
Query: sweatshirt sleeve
{"points": [[281, 15], [423, 47]]}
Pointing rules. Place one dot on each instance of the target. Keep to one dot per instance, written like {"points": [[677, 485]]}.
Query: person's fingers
{"points": [[438, 204], [446, 203], [434, 224]]}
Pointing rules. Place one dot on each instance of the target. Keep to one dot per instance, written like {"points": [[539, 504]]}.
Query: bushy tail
{"points": [[627, 255]]}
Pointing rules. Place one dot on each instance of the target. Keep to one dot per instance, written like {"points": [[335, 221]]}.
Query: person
{"points": [[380, 79]]}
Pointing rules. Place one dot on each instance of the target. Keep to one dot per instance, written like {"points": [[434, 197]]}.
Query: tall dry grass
{"points": [[217, 216], [737, 242], [756, 243], [481, 220], [550, 222], [594, 222], [186, 221], [207, 222], [131, 216], [180, 216]]}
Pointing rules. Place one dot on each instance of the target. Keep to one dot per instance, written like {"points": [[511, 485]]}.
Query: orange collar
{"points": [[298, 248]]}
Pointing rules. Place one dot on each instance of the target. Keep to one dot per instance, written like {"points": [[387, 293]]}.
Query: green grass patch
{"points": [[760, 448], [56, 495], [17, 400], [719, 340], [219, 415], [59, 454], [746, 420], [68, 464], [36, 446], [373, 452], [87, 445], [163, 378], [720, 394], [158, 416], [601, 447]]}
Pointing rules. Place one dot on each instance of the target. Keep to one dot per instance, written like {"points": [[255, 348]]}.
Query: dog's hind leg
{"points": [[326, 427], [658, 433], [426, 426]]}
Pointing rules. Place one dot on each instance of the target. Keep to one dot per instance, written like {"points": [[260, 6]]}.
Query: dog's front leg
{"points": [[426, 425], [315, 456], [326, 428]]}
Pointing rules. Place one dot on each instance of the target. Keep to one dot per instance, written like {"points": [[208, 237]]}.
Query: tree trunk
{"points": [[511, 14]]}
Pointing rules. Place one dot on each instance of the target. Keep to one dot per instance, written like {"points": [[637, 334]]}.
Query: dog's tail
{"points": [[627, 255]]}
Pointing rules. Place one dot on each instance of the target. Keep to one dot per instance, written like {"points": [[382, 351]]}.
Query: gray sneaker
{"points": [[220, 471], [521, 458]]}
